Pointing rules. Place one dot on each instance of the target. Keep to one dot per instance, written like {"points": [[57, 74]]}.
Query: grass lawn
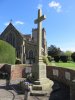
{"points": [[70, 65]]}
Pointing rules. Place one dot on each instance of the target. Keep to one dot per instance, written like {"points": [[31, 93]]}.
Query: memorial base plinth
{"points": [[42, 85]]}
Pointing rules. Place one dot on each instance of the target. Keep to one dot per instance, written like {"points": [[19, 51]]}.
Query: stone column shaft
{"points": [[39, 37]]}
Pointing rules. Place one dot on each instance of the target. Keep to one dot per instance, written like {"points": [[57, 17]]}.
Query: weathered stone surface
{"points": [[39, 71], [67, 75], [28, 70], [72, 90], [38, 93], [23, 43], [55, 72], [39, 68]]}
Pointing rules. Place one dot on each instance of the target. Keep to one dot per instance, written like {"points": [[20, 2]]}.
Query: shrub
{"points": [[56, 58], [73, 56], [63, 58], [18, 61], [53, 51], [68, 53], [7, 53], [49, 58], [45, 60]]}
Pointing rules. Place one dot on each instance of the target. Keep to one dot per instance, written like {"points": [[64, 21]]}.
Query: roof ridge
{"points": [[10, 27]]}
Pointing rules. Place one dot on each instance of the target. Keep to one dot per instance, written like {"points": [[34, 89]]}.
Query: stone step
{"points": [[38, 93], [43, 86], [42, 81], [37, 87], [37, 82]]}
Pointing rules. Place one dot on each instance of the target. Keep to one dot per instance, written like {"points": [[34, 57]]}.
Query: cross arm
{"points": [[43, 17]]}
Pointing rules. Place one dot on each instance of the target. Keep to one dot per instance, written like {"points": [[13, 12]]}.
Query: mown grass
{"points": [[69, 65]]}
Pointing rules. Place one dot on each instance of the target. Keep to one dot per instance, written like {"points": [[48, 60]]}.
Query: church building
{"points": [[24, 44]]}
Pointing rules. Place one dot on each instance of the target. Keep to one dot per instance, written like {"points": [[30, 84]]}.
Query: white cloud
{"points": [[14, 23], [68, 49], [19, 23], [40, 6], [6, 24], [56, 5]]}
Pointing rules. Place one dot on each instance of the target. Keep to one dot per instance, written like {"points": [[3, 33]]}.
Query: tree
{"points": [[53, 51], [73, 56], [68, 53], [49, 58], [56, 58], [64, 58]]}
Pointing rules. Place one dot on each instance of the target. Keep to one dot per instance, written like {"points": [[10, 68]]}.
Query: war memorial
{"points": [[37, 79]]}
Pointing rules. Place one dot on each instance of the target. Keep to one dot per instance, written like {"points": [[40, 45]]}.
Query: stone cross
{"points": [[39, 35], [39, 68], [41, 82]]}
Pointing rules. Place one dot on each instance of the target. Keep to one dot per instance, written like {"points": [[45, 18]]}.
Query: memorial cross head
{"points": [[40, 17]]}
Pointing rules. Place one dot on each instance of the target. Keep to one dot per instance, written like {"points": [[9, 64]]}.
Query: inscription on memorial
{"points": [[55, 72], [28, 70], [67, 75]]}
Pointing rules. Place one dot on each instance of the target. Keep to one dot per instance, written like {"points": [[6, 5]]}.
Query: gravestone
{"points": [[39, 68]]}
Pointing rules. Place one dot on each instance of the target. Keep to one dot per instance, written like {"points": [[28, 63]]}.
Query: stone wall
{"points": [[55, 73], [64, 75], [18, 71], [61, 74]]}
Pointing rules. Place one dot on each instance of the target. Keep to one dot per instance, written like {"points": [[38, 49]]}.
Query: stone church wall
{"points": [[16, 39], [31, 52]]}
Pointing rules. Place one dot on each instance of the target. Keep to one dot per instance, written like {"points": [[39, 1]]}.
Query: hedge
{"points": [[7, 53]]}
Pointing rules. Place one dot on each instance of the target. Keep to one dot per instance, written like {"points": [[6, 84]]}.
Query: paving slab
{"points": [[11, 94]]}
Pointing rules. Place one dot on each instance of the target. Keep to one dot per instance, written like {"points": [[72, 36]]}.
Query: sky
{"points": [[59, 23]]}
